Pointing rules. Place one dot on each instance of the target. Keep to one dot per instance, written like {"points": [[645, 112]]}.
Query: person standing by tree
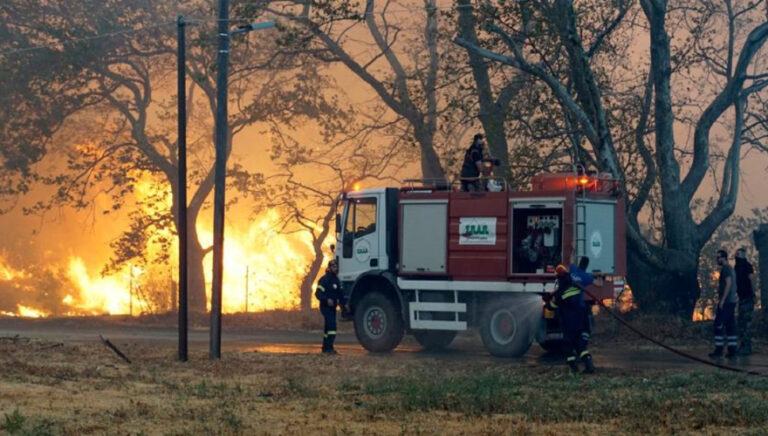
{"points": [[473, 166], [745, 276], [726, 305], [329, 294]]}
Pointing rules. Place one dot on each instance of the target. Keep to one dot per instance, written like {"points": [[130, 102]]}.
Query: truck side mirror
{"points": [[338, 223]]}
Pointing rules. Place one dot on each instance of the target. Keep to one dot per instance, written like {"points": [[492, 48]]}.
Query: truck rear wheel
{"points": [[506, 330], [378, 324], [434, 340]]}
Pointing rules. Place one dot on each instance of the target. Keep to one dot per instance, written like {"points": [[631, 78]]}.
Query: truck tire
{"points": [[378, 324], [505, 331], [434, 340]]}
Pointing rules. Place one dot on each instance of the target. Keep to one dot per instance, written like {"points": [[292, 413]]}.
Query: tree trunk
{"points": [[317, 262], [659, 291], [195, 271], [761, 243], [430, 162], [196, 298], [492, 113], [309, 279]]}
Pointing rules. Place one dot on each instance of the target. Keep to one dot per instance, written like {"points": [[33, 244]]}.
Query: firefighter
{"points": [[745, 279], [568, 299], [472, 167], [329, 295], [725, 324]]}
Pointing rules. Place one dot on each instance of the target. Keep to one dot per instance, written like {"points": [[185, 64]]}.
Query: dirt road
{"points": [[637, 355]]}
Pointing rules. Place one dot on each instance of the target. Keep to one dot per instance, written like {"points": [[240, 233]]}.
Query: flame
{"points": [[261, 265], [97, 295], [30, 312], [273, 263]]}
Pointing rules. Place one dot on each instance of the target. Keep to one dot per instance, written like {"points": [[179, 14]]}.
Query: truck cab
{"points": [[433, 261]]}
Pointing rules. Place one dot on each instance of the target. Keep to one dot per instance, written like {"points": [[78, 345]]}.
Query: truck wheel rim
{"points": [[375, 322], [503, 326]]}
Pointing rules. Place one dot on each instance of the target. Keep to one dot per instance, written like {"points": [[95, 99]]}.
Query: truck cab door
{"points": [[360, 239]]}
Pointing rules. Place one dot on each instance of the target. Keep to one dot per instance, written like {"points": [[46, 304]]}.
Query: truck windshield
{"points": [[361, 217]]}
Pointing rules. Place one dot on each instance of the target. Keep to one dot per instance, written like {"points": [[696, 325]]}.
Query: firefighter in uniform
{"points": [[568, 299], [329, 295]]}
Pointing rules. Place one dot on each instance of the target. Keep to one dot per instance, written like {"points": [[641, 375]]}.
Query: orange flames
{"points": [[259, 261], [261, 266]]}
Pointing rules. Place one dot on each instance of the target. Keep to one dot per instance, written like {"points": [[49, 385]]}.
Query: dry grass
{"points": [[51, 388]]}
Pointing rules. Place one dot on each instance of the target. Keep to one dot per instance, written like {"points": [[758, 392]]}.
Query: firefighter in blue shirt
{"points": [[568, 300], [583, 279], [330, 295]]}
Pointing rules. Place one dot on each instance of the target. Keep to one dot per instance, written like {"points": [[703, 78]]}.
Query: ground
{"points": [[58, 378]]}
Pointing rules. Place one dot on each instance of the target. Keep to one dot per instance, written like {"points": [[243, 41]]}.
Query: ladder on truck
{"points": [[418, 321], [581, 229]]}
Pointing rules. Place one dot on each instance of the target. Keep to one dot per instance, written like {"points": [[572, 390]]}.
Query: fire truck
{"points": [[433, 261]]}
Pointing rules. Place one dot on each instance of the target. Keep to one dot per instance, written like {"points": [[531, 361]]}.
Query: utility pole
{"points": [[182, 188], [130, 289], [220, 169], [246, 289], [219, 179]]}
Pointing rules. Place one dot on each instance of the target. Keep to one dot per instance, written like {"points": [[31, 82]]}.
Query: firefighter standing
{"points": [[745, 279], [725, 324], [568, 299], [330, 295], [473, 166]]}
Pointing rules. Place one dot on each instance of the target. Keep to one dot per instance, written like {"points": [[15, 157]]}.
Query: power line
{"points": [[87, 38]]}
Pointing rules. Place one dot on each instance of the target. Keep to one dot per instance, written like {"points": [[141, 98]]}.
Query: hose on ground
{"points": [[626, 324]]}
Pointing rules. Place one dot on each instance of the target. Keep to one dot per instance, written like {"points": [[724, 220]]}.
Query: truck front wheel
{"points": [[378, 324], [506, 330], [434, 340]]}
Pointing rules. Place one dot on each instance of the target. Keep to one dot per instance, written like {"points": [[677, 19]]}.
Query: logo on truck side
{"points": [[477, 231], [596, 244], [362, 250]]}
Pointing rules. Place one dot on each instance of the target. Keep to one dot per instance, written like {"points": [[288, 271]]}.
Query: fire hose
{"points": [[626, 324]]}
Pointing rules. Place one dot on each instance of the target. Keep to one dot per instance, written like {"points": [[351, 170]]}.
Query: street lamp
{"points": [[220, 169]]}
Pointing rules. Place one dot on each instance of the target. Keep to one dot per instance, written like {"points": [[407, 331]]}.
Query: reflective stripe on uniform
{"points": [[583, 353], [719, 341], [570, 292], [331, 332], [321, 288], [552, 304], [570, 358], [733, 340]]}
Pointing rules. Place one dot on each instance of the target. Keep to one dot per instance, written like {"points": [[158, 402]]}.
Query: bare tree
{"points": [[663, 275], [312, 177], [403, 72], [132, 135]]}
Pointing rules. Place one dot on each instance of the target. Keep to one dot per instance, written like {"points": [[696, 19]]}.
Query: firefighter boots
{"points": [[573, 365], [589, 367], [718, 352]]}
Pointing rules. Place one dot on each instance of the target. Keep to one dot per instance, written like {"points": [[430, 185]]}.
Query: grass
{"points": [[653, 402], [83, 389]]}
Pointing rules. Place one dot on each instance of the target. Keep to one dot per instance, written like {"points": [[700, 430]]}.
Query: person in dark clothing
{"points": [[330, 295], [583, 279], [745, 275], [473, 166], [568, 300], [725, 325]]}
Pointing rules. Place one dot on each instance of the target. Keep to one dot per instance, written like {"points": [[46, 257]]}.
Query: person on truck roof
{"points": [[568, 300], [330, 295], [473, 166]]}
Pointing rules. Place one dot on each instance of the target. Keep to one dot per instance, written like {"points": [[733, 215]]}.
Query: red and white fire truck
{"points": [[434, 261]]}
